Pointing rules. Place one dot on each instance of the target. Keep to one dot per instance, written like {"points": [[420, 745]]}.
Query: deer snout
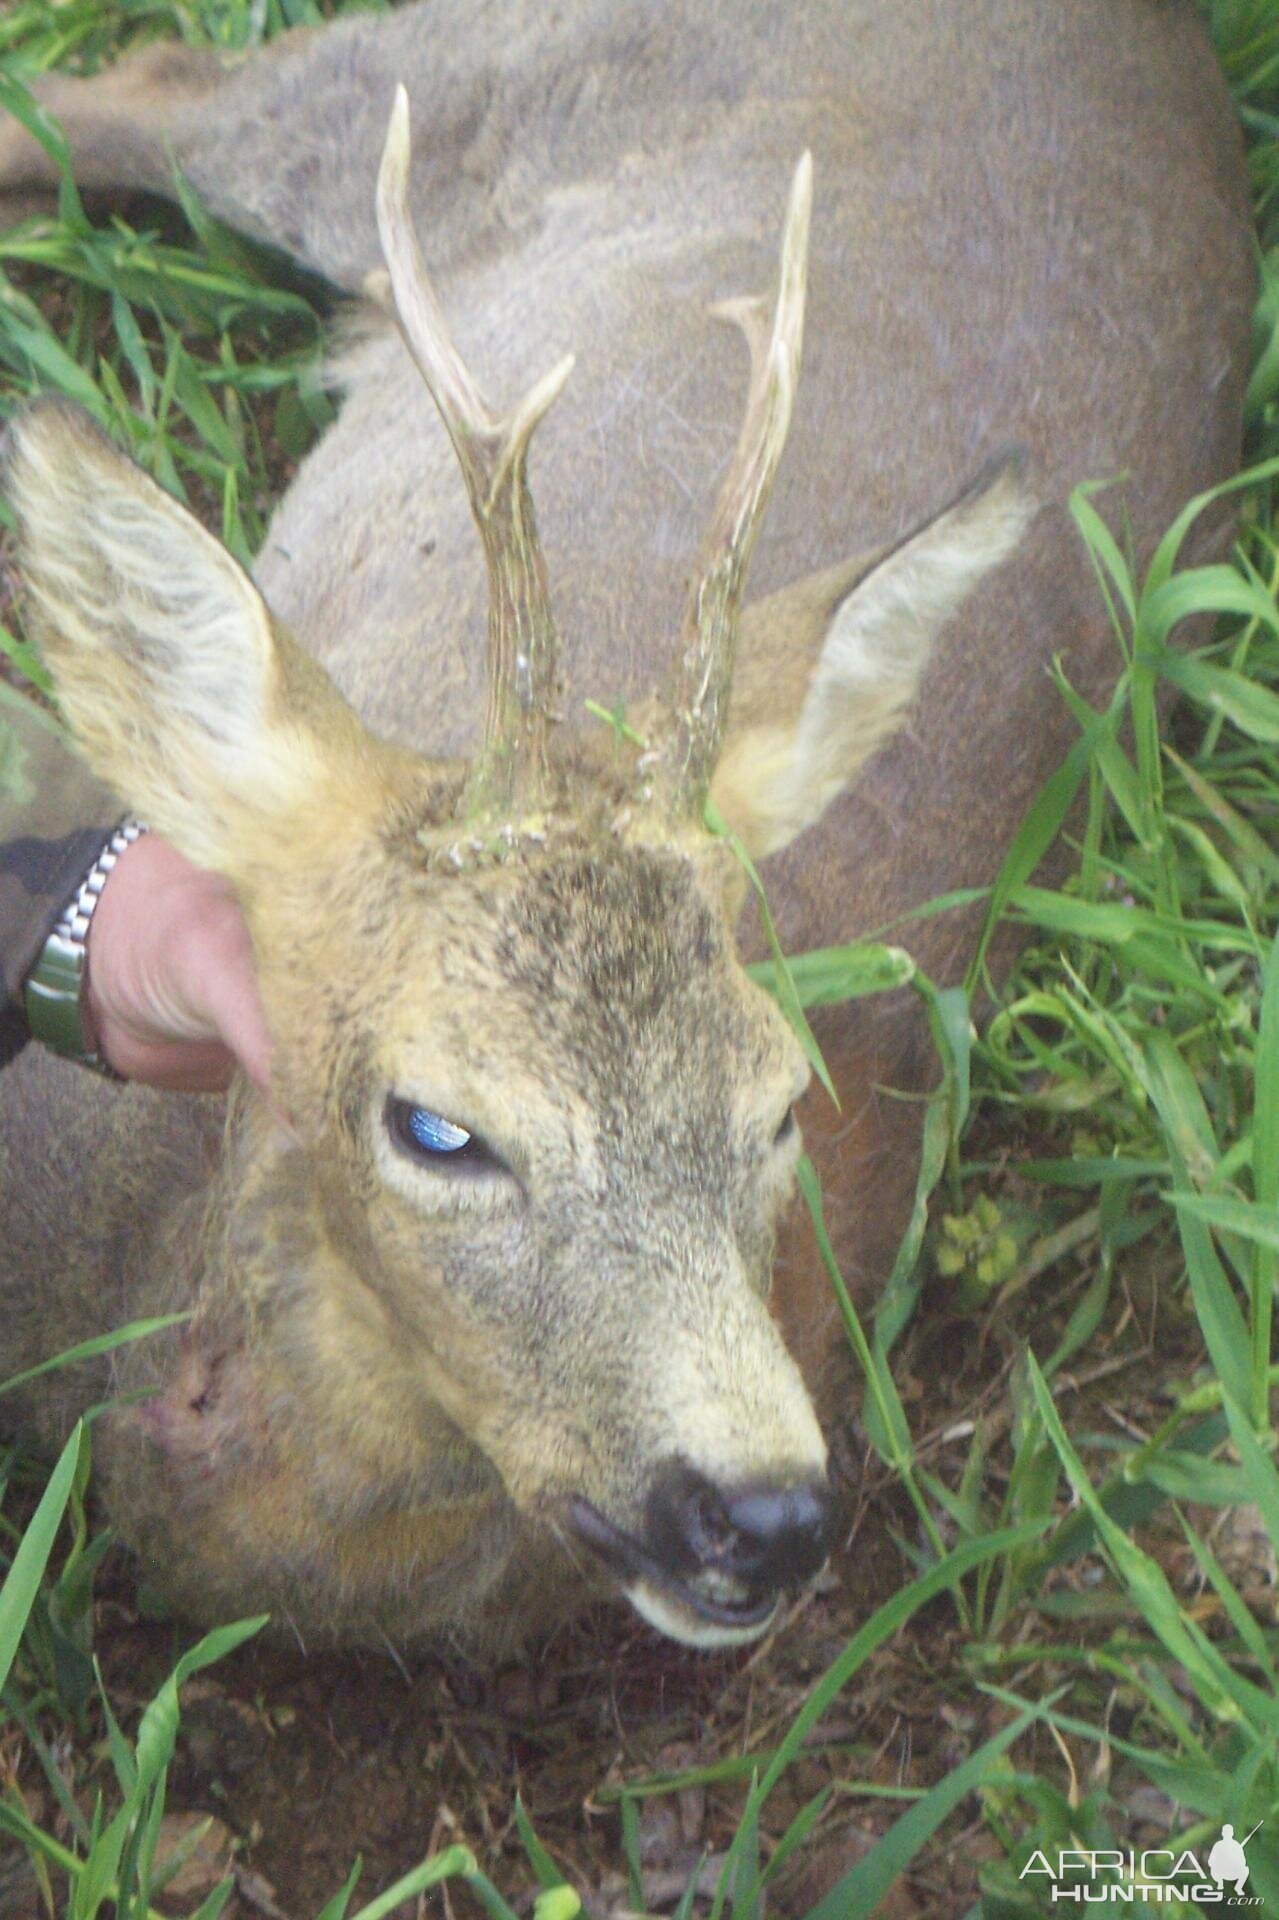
{"points": [[752, 1539], [711, 1563]]}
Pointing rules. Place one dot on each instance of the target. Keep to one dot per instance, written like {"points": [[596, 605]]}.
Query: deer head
{"points": [[543, 1121]]}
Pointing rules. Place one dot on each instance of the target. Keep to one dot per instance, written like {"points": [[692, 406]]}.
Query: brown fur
{"points": [[1028, 229]]}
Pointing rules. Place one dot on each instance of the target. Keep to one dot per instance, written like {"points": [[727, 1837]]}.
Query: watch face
{"points": [[53, 995]]}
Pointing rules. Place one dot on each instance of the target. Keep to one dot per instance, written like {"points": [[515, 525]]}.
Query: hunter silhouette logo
{"points": [[1227, 1862], [1156, 1876]]}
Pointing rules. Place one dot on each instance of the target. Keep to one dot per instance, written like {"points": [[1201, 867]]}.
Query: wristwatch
{"points": [[54, 993]]}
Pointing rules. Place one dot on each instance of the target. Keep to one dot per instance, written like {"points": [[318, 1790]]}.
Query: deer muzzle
{"points": [[713, 1561]]}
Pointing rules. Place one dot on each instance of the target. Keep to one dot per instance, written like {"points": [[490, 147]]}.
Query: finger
{"points": [[221, 988]]}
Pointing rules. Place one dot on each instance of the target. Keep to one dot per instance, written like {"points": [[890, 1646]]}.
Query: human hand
{"points": [[171, 993]]}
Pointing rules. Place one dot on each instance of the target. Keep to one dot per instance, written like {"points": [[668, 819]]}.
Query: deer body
{"points": [[1028, 229]]}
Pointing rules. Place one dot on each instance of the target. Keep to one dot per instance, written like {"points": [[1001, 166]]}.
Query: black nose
{"points": [[766, 1537]]}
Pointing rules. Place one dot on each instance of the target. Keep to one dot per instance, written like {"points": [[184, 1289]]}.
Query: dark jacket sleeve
{"points": [[55, 819]]}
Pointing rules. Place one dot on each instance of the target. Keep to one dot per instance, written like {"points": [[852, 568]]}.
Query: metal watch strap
{"points": [[54, 992]]}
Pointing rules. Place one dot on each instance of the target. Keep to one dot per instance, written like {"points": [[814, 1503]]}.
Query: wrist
{"points": [[56, 995]]}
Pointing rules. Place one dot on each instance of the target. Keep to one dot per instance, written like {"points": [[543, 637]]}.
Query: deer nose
{"points": [[761, 1536]]}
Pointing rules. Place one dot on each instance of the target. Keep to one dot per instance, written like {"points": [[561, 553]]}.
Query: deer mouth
{"points": [[710, 1609]]}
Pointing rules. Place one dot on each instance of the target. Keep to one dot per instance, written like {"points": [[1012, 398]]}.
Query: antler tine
{"points": [[492, 452], [698, 707]]}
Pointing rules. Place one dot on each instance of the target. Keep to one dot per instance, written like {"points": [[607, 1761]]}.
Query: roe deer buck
{"points": [[493, 1313]]}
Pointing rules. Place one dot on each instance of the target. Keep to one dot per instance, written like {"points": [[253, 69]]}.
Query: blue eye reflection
{"points": [[433, 1133], [430, 1139]]}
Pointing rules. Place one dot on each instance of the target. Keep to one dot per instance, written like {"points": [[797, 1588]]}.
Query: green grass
{"points": [[1123, 1101]]}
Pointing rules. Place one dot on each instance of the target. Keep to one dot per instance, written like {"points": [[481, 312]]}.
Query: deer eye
{"points": [[786, 1132], [430, 1138]]}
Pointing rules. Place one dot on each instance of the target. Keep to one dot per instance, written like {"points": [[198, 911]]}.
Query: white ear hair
{"points": [[161, 648], [883, 632], [775, 781]]}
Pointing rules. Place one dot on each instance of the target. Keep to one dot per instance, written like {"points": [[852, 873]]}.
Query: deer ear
{"points": [[181, 693], [872, 635]]}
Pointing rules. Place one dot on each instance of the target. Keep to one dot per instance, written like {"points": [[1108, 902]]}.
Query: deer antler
{"points": [[697, 707], [510, 776]]}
